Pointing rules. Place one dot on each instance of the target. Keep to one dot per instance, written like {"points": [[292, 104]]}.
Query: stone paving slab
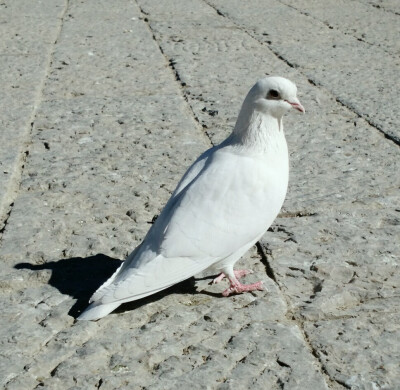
{"points": [[132, 94], [327, 57], [329, 263], [333, 128], [377, 366], [387, 5], [367, 24], [27, 34]]}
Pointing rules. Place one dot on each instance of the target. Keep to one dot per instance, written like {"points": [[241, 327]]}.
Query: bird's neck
{"points": [[257, 131]]}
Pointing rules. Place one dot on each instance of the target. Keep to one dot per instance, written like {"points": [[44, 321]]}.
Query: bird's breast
{"points": [[258, 183]]}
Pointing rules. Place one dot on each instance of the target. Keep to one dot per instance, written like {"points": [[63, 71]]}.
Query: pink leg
{"points": [[237, 287], [238, 274]]}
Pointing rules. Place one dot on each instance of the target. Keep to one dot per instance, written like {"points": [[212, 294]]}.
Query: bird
{"points": [[221, 207]]}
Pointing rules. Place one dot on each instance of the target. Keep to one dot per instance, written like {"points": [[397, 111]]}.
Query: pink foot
{"points": [[238, 274], [237, 288]]}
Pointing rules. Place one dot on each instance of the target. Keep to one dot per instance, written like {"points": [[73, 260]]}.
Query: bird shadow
{"points": [[80, 277]]}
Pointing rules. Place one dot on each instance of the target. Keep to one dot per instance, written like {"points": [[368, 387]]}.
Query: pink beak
{"points": [[296, 105]]}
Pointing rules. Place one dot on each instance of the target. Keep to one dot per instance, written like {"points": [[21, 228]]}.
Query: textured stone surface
{"points": [[357, 72], [122, 97], [27, 35]]}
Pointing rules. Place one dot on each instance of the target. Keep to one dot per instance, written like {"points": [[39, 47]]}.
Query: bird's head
{"points": [[274, 96]]}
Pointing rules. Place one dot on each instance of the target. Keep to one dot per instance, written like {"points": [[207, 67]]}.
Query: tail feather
{"points": [[101, 291], [97, 310]]}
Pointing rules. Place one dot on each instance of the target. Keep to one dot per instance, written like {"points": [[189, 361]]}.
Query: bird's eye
{"points": [[273, 94]]}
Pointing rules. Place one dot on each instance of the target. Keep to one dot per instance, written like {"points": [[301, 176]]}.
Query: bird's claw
{"points": [[239, 288]]}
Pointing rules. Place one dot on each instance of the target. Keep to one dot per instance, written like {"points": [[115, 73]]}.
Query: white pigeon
{"points": [[221, 207]]}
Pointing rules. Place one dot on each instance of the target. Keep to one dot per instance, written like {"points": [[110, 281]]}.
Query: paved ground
{"points": [[104, 105]]}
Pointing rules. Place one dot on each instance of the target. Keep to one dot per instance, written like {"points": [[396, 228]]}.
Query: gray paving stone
{"points": [[363, 21], [27, 33], [359, 75], [334, 262], [387, 5], [377, 367]]}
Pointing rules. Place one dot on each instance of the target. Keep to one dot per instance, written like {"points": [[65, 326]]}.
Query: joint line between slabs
{"points": [[175, 72], [264, 260], [298, 323], [390, 137], [314, 352]]}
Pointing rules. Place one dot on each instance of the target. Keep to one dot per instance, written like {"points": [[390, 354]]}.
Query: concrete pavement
{"points": [[105, 105]]}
